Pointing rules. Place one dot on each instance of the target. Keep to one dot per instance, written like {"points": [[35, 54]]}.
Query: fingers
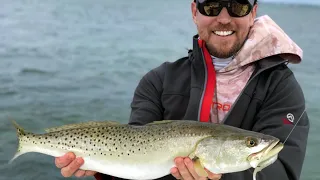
{"points": [[69, 170], [90, 173], [64, 160], [175, 173], [80, 173], [190, 166], [213, 176], [183, 172]]}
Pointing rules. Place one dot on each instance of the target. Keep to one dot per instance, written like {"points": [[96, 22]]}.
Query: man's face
{"points": [[215, 31]]}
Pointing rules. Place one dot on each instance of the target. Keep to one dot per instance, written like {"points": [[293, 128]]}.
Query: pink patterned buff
{"points": [[265, 39]]}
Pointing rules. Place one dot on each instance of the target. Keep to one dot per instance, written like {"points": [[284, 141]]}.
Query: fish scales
{"points": [[121, 141], [147, 152]]}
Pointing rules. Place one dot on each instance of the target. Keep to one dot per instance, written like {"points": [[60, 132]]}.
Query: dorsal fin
{"points": [[82, 125], [160, 122]]}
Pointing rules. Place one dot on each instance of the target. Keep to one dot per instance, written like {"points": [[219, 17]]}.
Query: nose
{"points": [[224, 17]]}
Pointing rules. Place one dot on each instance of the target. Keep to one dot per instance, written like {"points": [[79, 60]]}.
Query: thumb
{"points": [[213, 176]]}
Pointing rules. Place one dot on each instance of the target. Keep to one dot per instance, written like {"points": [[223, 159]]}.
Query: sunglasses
{"points": [[236, 8]]}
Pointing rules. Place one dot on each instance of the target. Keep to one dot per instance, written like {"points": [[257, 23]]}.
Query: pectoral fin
{"points": [[200, 169]]}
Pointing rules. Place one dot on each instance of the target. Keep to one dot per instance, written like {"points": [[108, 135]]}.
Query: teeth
{"points": [[223, 33]]}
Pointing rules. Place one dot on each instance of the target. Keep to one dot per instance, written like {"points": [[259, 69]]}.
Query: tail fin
{"points": [[20, 134]]}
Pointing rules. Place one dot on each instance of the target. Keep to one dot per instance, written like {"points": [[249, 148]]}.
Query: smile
{"points": [[223, 33]]}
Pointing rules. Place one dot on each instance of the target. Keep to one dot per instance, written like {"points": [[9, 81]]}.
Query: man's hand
{"points": [[184, 170], [70, 165]]}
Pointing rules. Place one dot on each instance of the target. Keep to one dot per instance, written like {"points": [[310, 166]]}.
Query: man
{"points": [[236, 74]]}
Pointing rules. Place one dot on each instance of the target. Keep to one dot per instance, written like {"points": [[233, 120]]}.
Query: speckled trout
{"points": [[148, 151]]}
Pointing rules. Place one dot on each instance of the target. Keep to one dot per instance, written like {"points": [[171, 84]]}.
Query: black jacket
{"points": [[174, 90]]}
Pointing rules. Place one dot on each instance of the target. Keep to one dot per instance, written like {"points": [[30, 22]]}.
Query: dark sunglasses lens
{"points": [[210, 8], [240, 9], [236, 8]]}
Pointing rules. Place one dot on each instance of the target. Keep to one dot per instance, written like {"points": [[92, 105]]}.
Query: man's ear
{"points": [[194, 12], [253, 14]]}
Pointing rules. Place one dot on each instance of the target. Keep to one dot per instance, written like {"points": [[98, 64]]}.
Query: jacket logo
{"points": [[289, 119], [221, 106]]}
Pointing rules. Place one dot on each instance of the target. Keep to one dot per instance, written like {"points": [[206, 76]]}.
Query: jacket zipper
{"points": [[205, 84], [208, 87]]}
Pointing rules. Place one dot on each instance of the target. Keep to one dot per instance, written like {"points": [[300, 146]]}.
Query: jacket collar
{"points": [[196, 58]]}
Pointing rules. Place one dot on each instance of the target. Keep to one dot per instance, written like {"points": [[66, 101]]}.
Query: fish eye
{"points": [[251, 142]]}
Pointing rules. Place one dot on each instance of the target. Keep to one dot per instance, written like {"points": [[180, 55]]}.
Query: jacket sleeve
{"points": [[146, 104], [283, 104]]}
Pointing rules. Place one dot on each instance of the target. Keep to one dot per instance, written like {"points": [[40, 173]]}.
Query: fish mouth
{"points": [[269, 152]]}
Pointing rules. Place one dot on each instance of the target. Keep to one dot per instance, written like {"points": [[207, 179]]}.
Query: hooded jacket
{"points": [[260, 89]]}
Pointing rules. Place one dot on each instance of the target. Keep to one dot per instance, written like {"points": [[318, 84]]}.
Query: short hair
{"points": [[255, 2]]}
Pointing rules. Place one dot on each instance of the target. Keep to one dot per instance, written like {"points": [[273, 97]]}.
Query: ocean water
{"points": [[76, 60]]}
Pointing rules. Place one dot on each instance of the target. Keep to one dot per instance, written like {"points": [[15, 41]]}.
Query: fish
{"points": [[148, 151]]}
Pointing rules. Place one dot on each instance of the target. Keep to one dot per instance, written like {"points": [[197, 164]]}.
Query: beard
{"points": [[223, 50]]}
